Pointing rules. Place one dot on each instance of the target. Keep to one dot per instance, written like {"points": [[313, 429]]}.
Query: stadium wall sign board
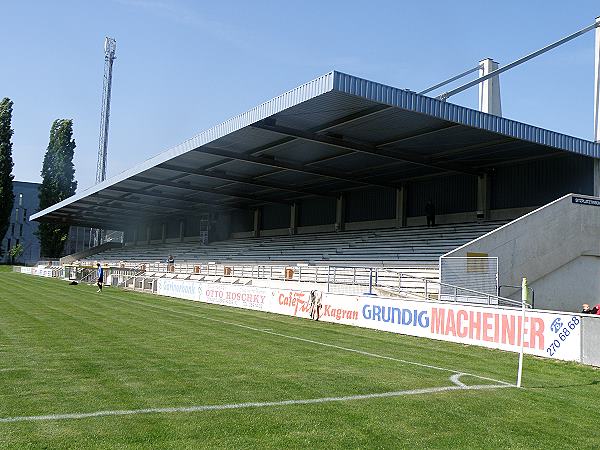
{"points": [[178, 288], [40, 271], [549, 334], [585, 201]]}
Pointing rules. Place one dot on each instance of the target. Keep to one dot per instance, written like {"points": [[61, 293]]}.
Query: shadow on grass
{"points": [[559, 386]]}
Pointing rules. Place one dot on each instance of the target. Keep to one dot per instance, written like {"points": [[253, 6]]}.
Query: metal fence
{"points": [[476, 274], [418, 283]]}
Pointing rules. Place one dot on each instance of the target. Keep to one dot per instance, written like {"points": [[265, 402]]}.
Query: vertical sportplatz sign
{"points": [[547, 334]]}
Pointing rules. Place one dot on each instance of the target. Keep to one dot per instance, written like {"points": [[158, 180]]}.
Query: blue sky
{"points": [[184, 66]]}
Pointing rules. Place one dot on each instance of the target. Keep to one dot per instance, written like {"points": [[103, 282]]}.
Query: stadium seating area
{"points": [[398, 247]]}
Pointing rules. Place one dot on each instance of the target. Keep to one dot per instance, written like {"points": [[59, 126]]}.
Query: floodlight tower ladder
{"points": [[110, 47]]}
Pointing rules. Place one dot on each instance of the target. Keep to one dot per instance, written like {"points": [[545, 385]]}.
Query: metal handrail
{"points": [[350, 275], [456, 289], [88, 276], [139, 271]]}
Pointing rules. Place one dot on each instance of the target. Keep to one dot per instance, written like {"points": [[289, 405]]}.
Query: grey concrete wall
{"points": [[590, 340], [557, 247], [552, 291]]}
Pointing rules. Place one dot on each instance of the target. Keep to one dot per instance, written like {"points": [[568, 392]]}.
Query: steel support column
{"points": [[401, 206], [340, 213], [294, 218], [489, 90], [483, 196], [597, 177], [257, 217]]}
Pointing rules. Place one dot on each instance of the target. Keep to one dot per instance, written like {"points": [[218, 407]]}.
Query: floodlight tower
{"points": [[110, 46]]}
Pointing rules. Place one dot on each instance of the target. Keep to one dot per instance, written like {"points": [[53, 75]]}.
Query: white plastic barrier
{"points": [[549, 334]]}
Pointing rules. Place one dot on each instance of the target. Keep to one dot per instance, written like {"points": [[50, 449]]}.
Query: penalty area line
{"points": [[202, 408]]}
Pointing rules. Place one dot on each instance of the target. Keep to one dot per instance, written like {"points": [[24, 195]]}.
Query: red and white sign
{"points": [[549, 334]]}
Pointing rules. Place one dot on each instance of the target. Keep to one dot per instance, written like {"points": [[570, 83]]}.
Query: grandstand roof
{"points": [[334, 133]]}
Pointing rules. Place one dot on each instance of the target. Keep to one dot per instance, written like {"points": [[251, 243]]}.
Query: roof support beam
{"points": [[166, 196], [417, 135], [91, 217], [192, 188], [243, 180], [363, 113], [284, 165], [78, 221], [97, 207], [125, 198], [360, 147], [387, 142]]}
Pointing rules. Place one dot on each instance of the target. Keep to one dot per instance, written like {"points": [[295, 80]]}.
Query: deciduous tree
{"points": [[6, 165], [58, 183]]}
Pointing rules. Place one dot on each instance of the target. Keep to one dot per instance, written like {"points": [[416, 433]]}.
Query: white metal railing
{"points": [[420, 283], [140, 269], [478, 273]]}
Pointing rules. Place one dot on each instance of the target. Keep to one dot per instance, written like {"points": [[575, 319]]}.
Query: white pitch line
{"points": [[189, 409], [455, 379], [324, 344]]}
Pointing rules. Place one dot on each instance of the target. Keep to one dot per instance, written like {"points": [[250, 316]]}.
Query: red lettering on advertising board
{"points": [[339, 313], [462, 323], [294, 300], [488, 326]]}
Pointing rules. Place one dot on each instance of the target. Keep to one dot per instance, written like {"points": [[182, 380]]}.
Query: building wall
{"points": [[535, 183], [275, 216], [21, 230], [370, 204], [316, 211], [450, 194], [555, 247], [513, 190]]}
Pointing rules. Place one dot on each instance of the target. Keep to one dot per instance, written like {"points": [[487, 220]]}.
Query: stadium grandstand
{"points": [[338, 172]]}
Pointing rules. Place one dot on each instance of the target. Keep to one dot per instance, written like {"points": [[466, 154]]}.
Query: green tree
{"points": [[6, 165], [58, 183], [16, 252]]}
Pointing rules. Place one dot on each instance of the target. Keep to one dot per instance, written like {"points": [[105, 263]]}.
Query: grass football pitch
{"points": [[129, 370]]}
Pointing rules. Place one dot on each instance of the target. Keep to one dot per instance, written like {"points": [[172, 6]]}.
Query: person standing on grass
{"points": [[100, 278]]}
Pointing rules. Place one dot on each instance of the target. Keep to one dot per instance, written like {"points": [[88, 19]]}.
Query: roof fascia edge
{"points": [[411, 101], [300, 94]]}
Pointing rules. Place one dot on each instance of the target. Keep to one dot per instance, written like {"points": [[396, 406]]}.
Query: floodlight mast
{"points": [[110, 46]]}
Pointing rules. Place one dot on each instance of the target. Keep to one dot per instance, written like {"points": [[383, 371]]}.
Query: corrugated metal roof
{"points": [[331, 97], [412, 101]]}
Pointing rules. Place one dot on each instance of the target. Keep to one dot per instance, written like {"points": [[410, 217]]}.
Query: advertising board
{"points": [[548, 334], [247, 297], [186, 289]]}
